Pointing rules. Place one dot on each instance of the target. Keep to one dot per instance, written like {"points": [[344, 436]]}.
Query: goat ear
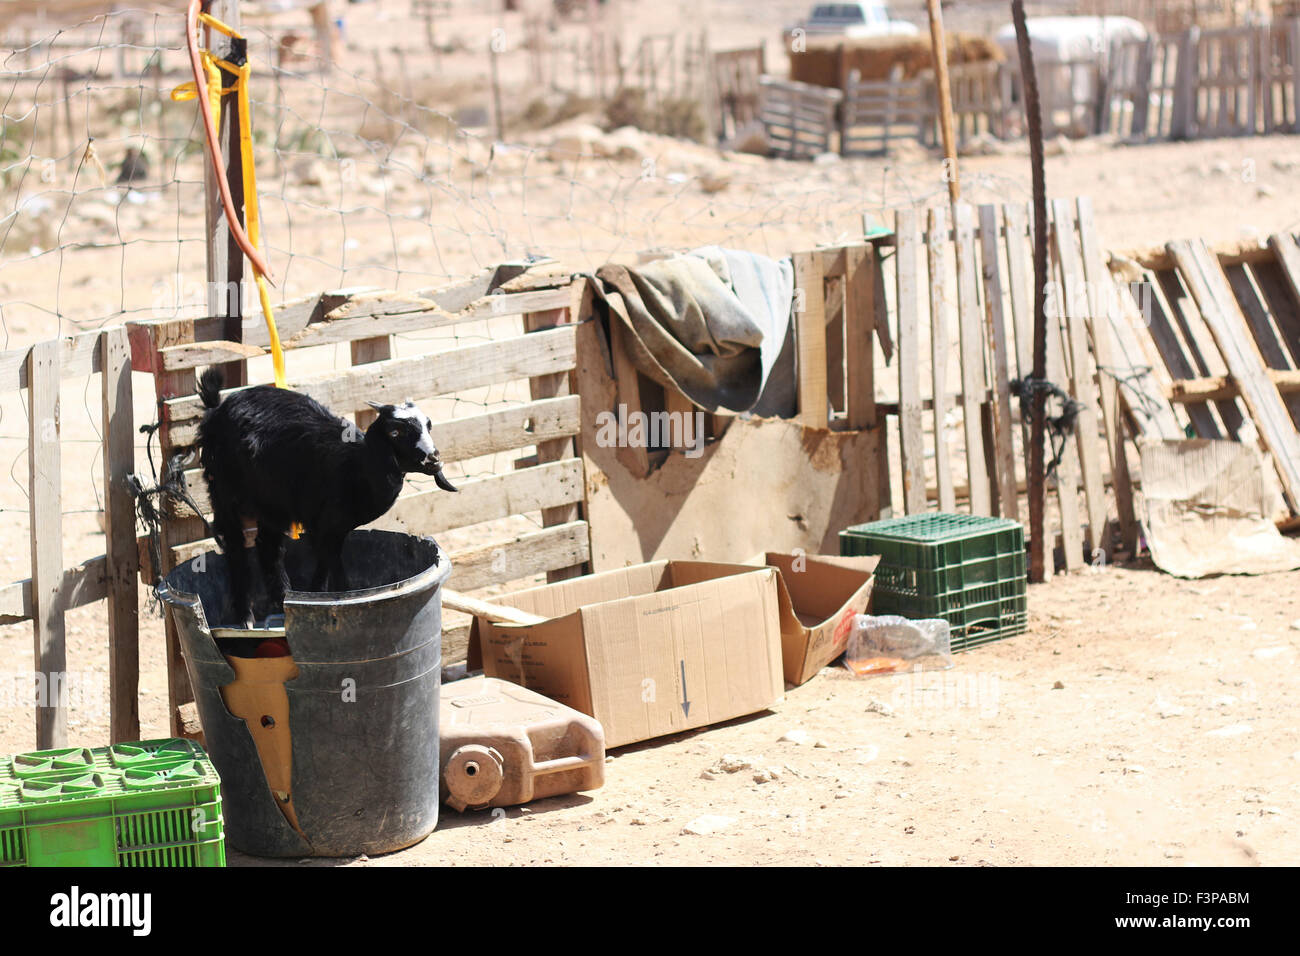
{"points": [[382, 409]]}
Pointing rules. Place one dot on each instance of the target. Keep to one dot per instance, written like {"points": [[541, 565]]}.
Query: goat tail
{"points": [[210, 387]]}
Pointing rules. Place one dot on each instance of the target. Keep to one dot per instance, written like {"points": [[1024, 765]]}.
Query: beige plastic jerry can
{"points": [[503, 745]]}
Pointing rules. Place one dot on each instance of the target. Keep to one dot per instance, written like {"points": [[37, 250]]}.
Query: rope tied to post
{"points": [[207, 88], [1060, 427], [150, 501]]}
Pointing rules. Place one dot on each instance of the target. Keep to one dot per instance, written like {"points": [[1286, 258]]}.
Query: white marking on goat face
{"points": [[410, 413]]}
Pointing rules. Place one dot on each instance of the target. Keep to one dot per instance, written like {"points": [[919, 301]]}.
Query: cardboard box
{"points": [[818, 597], [648, 650]]}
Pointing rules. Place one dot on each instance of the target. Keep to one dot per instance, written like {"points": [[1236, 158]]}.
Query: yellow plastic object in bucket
{"points": [[257, 695]]}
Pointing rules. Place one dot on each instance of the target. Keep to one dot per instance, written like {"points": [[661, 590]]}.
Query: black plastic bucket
{"points": [[363, 710]]}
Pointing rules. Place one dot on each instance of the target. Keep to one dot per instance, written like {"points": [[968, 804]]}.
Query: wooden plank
{"points": [[556, 385], [147, 345], [526, 555], [907, 229], [345, 315], [367, 352], [1223, 317], [1140, 372], [1003, 443], [1081, 384], [551, 485], [1161, 330], [82, 585], [79, 358], [1101, 305], [1287, 253], [538, 353], [1067, 471], [122, 558], [635, 458], [972, 357], [1286, 381], [943, 300], [810, 339], [859, 329], [1266, 337], [1201, 350], [44, 464]]}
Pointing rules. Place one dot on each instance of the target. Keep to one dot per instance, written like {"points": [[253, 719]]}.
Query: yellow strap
{"points": [[252, 213]]}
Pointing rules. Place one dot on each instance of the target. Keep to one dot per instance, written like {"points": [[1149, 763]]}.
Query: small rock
{"points": [[1264, 191], [826, 159], [732, 763], [706, 775], [879, 707], [714, 181], [766, 775], [706, 824], [1165, 709], [1265, 653], [1135, 768], [821, 745], [1058, 686], [795, 736], [1295, 625], [1232, 730]]}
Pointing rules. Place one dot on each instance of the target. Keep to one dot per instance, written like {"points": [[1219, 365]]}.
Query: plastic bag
{"points": [[888, 644]]}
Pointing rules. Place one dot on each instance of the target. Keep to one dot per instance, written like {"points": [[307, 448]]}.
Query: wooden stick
{"points": [[940, 50], [496, 613]]}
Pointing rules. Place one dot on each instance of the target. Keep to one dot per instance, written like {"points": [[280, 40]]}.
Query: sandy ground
{"points": [[1088, 773], [1141, 721]]}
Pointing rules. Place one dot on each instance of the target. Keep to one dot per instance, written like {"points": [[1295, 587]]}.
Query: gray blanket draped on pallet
{"points": [[713, 324]]}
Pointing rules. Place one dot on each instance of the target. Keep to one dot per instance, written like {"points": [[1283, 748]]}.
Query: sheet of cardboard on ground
{"points": [[647, 650], [1206, 508], [818, 596]]}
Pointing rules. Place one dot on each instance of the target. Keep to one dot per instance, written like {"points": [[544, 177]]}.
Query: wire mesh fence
{"points": [[407, 147]]}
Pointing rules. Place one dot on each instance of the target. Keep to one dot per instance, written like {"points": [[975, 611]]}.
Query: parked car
{"points": [[868, 19]]}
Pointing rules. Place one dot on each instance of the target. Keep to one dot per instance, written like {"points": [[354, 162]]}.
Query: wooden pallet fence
{"points": [[1238, 81], [53, 589], [878, 112], [542, 353], [800, 119], [974, 264]]}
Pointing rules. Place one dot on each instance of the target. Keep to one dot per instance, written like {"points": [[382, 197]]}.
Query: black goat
{"points": [[279, 457]]}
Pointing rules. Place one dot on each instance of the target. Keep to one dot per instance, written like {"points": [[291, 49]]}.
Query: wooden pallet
{"points": [[877, 112], [543, 353], [975, 264], [1224, 329], [799, 118]]}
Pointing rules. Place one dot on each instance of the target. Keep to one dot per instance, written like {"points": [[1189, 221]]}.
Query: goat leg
{"points": [[230, 534], [271, 543]]}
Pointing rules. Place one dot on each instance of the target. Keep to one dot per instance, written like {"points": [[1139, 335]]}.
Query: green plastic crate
{"points": [[968, 570], [154, 803]]}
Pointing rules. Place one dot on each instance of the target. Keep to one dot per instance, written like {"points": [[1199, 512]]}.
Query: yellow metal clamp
{"points": [[189, 91]]}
